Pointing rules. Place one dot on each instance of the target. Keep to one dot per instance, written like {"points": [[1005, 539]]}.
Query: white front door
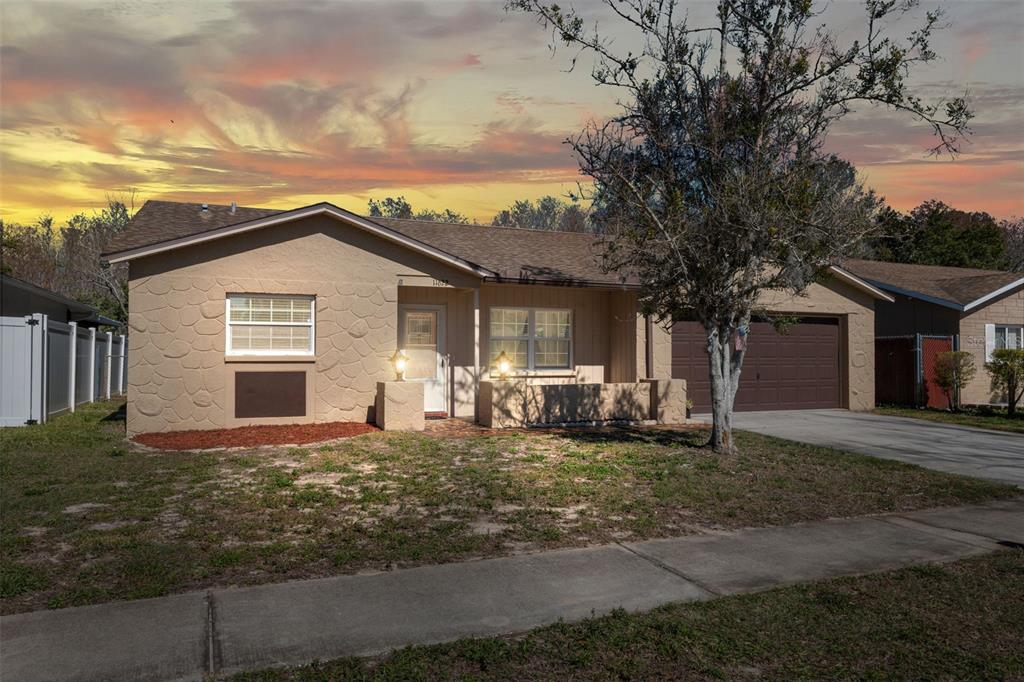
{"points": [[421, 336]]}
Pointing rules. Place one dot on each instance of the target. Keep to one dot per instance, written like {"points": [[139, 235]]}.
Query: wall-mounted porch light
{"points": [[400, 361], [504, 364]]}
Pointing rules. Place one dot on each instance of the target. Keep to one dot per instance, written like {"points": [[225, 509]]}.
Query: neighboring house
{"points": [[53, 357], [18, 298], [256, 316], [979, 310]]}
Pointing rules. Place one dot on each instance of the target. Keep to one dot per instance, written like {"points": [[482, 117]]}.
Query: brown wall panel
{"points": [[270, 394]]}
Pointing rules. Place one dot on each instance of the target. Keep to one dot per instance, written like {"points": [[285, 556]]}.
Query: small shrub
{"points": [[1007, 371]]}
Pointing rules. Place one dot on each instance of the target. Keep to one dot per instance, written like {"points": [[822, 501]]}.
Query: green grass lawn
{"points": [[88, 517], [982, 418], [958, 621]]}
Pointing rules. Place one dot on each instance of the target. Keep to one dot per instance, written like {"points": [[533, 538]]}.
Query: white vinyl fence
{"points": [[49, 367]]}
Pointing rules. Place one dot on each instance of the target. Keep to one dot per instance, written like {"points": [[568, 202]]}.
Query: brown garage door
{"points": [[794, 371]]}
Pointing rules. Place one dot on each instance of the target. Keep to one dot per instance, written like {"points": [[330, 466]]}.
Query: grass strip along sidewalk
{"points": [[957, 621], [994, 418]]}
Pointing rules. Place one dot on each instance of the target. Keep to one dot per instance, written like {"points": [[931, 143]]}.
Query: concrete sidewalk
{"points": [[190, 636]]}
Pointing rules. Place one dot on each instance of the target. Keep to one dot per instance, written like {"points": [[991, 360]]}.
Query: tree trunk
{"points": [[1011, 398], [724, 363]]}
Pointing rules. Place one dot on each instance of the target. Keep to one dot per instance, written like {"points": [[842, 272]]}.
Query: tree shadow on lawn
{"points": [[118, 415], [637, 435]]}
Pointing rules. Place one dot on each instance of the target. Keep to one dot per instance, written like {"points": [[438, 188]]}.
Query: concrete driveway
{"points": [[955, 449]]}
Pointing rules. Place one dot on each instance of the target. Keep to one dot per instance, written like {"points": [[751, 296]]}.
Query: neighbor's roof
{"points": [[957, 288], [81, 313], [494, 253]]}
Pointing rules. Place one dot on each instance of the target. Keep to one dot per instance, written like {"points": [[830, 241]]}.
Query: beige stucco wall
{"points": [[178, 375], [1005, 310], [668, 400], [458, 340], [180, 378], [399, 406], [590, 326], [855, 309], [517, 403]]}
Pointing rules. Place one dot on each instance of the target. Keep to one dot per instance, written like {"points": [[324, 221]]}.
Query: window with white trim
{"points": [[259, 324], [1009, 336], [533, 338]]}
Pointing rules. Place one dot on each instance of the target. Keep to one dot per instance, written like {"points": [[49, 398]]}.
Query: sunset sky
{"points": [[453, 104]]}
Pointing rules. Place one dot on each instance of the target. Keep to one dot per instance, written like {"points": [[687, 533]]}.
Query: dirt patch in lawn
{"points": [[85, 519], [253, 436]]}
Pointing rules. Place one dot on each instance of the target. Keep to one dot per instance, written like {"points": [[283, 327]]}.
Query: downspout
{"points": [[649, 346]]}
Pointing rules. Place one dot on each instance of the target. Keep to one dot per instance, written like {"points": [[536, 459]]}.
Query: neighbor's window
{"points": [[1010, 337], [270, 325], [532, 338]]}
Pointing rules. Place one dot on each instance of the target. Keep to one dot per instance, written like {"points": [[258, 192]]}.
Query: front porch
{"points": [[578, 354]]}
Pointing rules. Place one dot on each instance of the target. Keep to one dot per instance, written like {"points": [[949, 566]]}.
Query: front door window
{"points": [[421, 343]]}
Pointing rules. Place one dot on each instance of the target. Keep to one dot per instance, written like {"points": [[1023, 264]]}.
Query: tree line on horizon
{"points": [[66, 258]]}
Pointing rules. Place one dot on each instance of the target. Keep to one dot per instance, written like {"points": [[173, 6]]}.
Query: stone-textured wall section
{"points": [[400, 406], [668, 400], [179, 376]]}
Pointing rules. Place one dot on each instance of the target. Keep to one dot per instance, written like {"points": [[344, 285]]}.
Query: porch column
{"points": [[476, 354]]}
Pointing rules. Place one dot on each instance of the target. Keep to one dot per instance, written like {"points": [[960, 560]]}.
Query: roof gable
{"points": [[497, 253], [217, 231]]}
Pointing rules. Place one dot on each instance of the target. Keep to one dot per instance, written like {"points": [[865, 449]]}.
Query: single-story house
{"points": [[19, 298], [977, 310], [257, 316]]}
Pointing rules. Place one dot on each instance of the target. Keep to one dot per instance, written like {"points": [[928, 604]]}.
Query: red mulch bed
{"points": [[251, 436]]}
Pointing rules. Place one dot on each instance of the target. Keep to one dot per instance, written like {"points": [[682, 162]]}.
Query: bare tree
{"points": [[711, 183], [1013, 238], [67, 260]]}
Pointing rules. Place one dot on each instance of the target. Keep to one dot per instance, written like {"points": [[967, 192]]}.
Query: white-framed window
{"points": [[1009, 336], [533, 338], [262, 324]]}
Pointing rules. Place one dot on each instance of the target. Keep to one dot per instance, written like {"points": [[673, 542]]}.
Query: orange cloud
{"points": [[266, 102]]}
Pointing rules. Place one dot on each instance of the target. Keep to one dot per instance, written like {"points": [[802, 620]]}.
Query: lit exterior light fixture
{"points": [[504, 365], [400, 361]]}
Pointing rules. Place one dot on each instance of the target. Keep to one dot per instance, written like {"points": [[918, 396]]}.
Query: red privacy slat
{"points": [[930, 348]]}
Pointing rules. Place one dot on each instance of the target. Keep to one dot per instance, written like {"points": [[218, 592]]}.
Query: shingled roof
{"points": [[508, 253], [495, 253], [513, 253], [163, 221], [960, 288]]}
